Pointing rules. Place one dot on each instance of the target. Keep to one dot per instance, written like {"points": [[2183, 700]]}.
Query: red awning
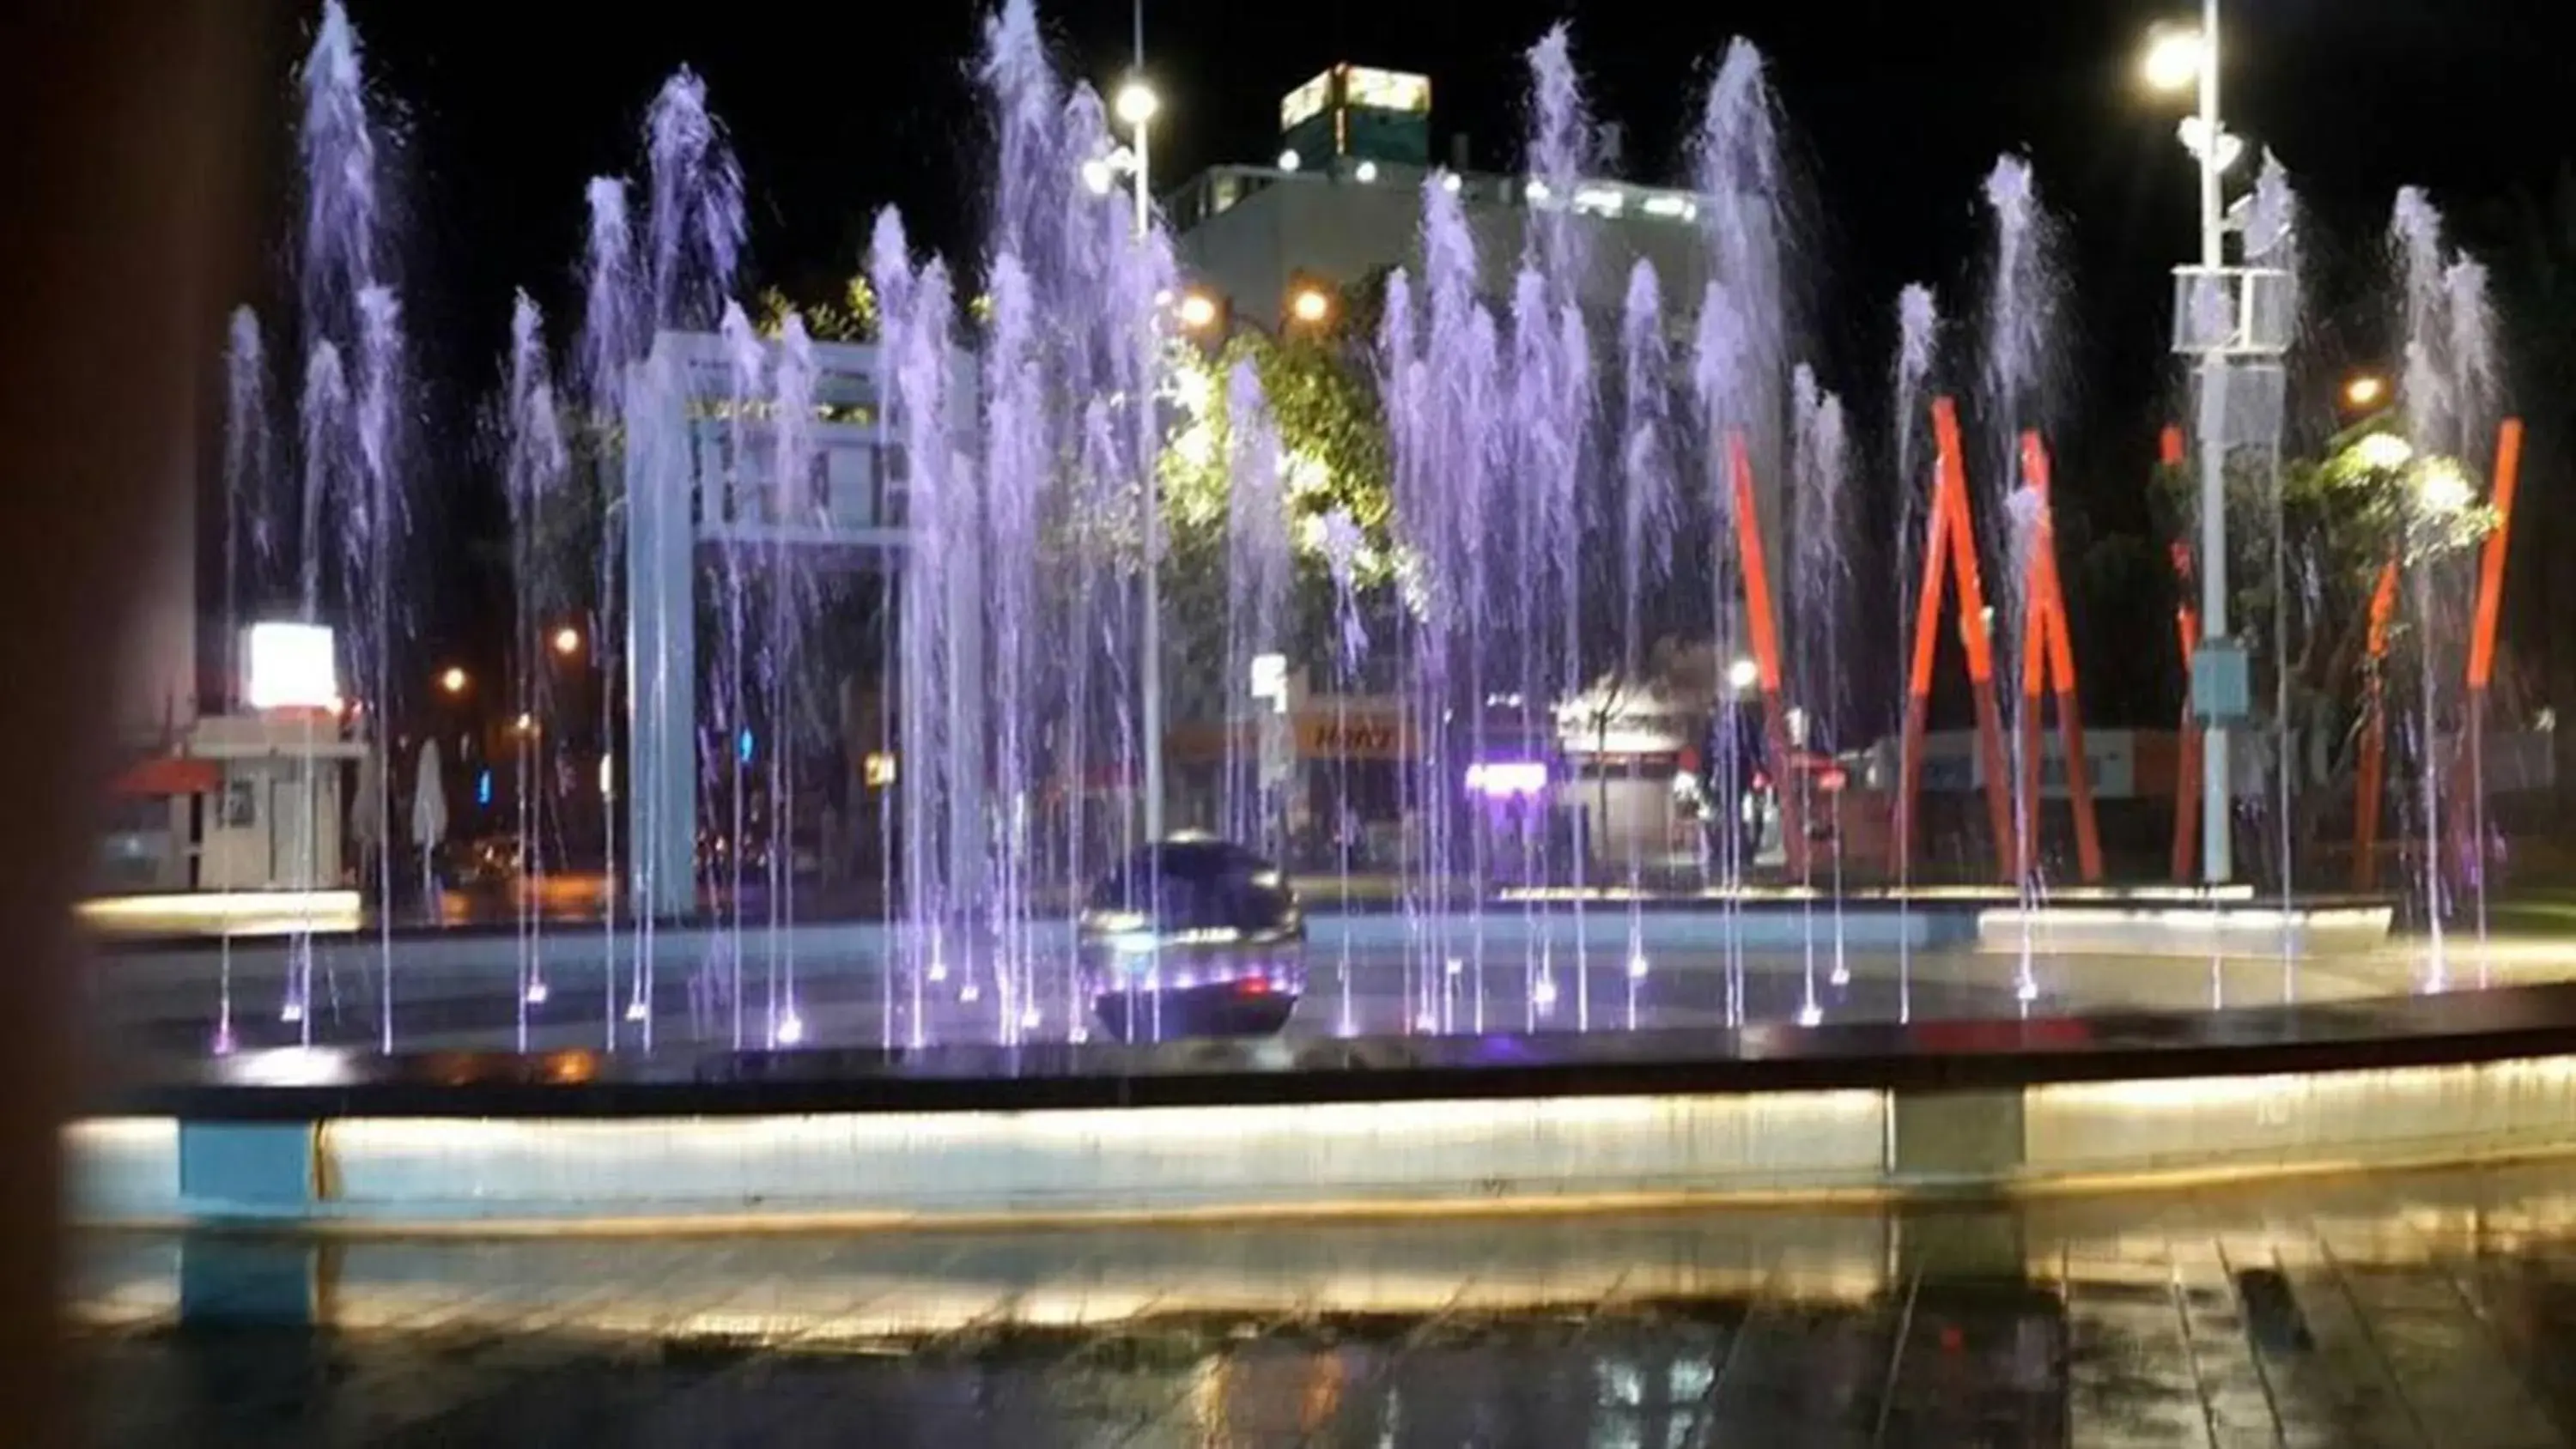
{"points": [[170, 775]]}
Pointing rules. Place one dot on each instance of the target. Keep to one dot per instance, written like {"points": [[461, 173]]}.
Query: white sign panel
{"points": [[289, 666]]}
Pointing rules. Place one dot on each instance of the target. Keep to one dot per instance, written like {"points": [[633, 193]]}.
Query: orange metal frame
{"points": [[1950, 545], [2187, 737], [2369, 778], [2482, 637], [2048, 662], [2508, 474], [1765, 629]]}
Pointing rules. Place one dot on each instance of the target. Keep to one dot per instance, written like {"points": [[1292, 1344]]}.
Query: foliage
{"points": [[1323, 402], [2369, 498], [2367, 501], [1332, 436], [851, 317]]}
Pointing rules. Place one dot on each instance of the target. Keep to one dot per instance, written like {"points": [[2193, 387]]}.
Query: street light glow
{"points": [[567, 641], [1309, 305], [1137, 103], [2365, 391], [1742, 675], [2172, 61], [1198, 311], [1290, 160], [453, 680], [1097, 177]]}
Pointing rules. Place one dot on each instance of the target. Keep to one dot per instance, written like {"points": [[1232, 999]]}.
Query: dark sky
{"points": [[1897, 108]]}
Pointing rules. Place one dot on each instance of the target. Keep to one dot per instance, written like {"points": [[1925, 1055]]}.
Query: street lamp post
{"points": [[1137, 104], [2215, 314], [2217, 795]]}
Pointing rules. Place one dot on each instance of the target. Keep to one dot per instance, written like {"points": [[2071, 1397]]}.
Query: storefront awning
{"points": [[170, 775]]}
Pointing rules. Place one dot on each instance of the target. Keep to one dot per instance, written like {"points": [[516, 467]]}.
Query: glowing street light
{"points": [[453, 680], [1137, 103], [1310, 305], [2365, 390], [1198, 311], [567, 641], [1743, 674], [2173, 59]]}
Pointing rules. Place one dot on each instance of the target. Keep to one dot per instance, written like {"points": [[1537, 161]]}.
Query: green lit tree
{"points": [[2366, 501], [1334, 458], [850, 317]]}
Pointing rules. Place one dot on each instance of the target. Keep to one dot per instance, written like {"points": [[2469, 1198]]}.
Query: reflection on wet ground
{"points": [[2399, 1310]]}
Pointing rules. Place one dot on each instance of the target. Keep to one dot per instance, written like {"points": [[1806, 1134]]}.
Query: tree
{"points": [[1335, 457], [851, 317], [2367, 501]]}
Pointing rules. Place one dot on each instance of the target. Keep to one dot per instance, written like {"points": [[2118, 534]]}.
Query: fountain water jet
{"points": [[534, 462], [1648, 522], [1918, 341]]}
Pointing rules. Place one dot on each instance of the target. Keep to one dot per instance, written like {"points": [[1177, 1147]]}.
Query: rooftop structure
{"points": [[1343, 200]]}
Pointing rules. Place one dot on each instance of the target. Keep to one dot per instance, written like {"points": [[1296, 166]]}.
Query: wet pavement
{"points": [[2435, 1310]]}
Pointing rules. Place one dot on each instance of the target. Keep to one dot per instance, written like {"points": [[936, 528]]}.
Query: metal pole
{"points": [[2215, 816], [1152, 647]]}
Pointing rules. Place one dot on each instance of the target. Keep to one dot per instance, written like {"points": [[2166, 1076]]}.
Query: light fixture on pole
{"points": [[2219, 314], [1136, 107], [2172, 60]]}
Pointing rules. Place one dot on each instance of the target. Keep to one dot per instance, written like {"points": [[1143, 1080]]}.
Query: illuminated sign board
{"points": [[1386, 90], [1356, 86], [1306, 102], [289, 666]]}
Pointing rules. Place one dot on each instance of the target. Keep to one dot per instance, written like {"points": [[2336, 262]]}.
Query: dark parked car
{"points": [[1193, 937]]}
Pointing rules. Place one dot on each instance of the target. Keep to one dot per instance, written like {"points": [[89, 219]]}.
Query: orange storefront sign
{"points": [[1317, 734], [1353, 737]]}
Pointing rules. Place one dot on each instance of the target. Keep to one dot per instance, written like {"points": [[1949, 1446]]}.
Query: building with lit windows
{"points": [[1342, 201], [1268, 246]]}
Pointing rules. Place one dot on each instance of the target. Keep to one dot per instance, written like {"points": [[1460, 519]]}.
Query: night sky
{"points": [[1896, 111]]}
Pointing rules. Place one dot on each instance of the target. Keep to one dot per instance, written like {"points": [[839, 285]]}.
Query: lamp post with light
{"points": [[2176, 59], [1136, 106]]}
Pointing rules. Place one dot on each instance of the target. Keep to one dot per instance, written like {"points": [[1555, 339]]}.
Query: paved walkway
{"points": [[2431, 1310]]}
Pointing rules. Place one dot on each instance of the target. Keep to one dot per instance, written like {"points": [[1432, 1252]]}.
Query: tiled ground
{"points": [[2401, 1310]]}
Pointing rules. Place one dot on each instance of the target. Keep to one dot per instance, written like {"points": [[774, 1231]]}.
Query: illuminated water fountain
{"points": [[1574, 489]]}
